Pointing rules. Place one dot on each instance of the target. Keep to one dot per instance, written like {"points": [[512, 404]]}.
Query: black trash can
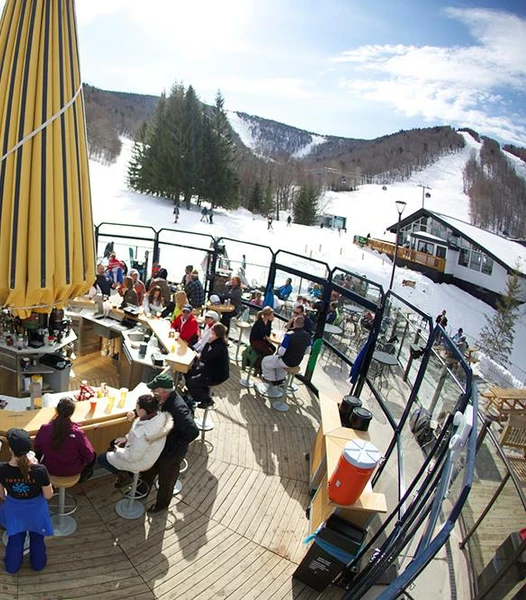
{"points": [[335, 544]]}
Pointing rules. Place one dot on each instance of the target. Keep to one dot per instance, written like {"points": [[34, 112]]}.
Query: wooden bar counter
{"points": [[100, 425], [326, 450]]}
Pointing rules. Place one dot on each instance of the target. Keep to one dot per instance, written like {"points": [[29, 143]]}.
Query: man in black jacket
{"points": [[184, 431]]}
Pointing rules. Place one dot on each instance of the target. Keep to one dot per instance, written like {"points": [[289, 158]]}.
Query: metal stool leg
{"points": [[281, 405], [238, 344], [205, 424], [129, 507], [269, 390], [245, 381], [63, 524]]}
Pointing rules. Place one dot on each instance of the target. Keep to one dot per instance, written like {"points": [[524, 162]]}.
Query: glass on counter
{"points": [[111, 402], [123, 395]]}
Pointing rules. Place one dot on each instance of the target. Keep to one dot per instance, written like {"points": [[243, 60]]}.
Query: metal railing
{"points": [[390, 315]]}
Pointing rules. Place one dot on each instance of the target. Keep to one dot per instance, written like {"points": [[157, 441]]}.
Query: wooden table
{"points": [[180, 356], [101, 425], [505, 400], [221, 308]]}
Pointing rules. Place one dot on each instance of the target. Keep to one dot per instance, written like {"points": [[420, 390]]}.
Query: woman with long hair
{"points": [[62, 445], [25, 489], [181, 300], [213, 367], [260, 332], [153, 301], [129, 295]]}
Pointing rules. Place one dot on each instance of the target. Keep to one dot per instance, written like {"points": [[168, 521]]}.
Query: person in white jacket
{"points": [[211, 318], [142, 446]]}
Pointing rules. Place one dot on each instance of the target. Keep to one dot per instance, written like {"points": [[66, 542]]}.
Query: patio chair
{"points": [[514, 433]]}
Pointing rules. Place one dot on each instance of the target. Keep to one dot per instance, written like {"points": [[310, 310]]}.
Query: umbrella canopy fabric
{"points": [[47, 245]]}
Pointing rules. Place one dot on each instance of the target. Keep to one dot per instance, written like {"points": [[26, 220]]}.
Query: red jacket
{"points": [[70, 459], [189, 329]]}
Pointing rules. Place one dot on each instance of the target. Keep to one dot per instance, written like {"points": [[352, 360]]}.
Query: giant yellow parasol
{"points": [[47, 249]]}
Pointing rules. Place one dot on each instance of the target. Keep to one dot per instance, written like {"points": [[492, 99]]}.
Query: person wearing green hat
{"points": [[184, 431], [25, 489]]}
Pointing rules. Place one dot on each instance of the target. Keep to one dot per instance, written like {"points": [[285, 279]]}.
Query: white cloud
{"points": [[460, 85], [278, 87]]}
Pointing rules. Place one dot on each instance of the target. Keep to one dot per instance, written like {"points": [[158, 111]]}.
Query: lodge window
{"points": [[476, 259], [487, 265], [463, 257], [441, 252]]}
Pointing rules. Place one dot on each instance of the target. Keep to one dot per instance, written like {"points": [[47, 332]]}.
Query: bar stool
{"points": [[252, 357], [129, 507], [241, 325], [281, 405], [205, 424], [269, 390], [63, 523]]}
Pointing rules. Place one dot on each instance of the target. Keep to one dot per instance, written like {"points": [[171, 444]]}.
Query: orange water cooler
{"points": [[354, 469]]}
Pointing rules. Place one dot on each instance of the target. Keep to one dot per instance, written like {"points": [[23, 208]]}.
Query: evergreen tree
{"points": [[268, 199], [305, 208], [496, 337], [193, 139], [255, 203], [221, 181]]}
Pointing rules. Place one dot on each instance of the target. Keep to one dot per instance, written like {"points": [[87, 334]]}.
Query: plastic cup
{"points": [[123, 395], [93, 403], [111, 402]]}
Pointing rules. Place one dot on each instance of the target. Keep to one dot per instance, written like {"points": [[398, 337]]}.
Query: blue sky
{"points": [[357, 68]]}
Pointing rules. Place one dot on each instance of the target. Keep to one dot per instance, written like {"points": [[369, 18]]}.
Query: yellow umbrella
{"points": [[47, 247]]}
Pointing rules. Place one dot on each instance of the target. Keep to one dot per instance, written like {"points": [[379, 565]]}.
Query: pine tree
{"points": [[222, 183], [255, 203], [193, 139], [268, 199], [306, 206], [496, 337]]}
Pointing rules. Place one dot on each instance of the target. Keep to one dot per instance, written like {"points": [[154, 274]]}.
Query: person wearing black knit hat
{"points": [[24, 487]]}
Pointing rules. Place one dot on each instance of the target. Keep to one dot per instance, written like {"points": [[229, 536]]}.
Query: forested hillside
{"points": [[497, 194], [268, 165]]}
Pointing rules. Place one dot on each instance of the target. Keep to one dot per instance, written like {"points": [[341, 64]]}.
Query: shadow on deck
{"points": [[235, 531]]}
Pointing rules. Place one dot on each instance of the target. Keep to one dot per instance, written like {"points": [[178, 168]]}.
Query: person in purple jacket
{"points": [[62, 445]]}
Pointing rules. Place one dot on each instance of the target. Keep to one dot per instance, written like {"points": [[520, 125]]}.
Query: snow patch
{"points": [[316, 140]]}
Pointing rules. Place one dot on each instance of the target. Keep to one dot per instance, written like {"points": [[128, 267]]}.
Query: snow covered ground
{"points": [[369, 210]]}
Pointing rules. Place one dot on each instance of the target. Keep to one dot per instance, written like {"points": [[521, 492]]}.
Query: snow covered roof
{"points": [[509, 254]]}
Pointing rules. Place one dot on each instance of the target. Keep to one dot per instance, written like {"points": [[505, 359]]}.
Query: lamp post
{"points": [[400, 206]]}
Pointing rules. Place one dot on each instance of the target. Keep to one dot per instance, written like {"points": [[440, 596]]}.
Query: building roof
{"points": [[511, 255]]}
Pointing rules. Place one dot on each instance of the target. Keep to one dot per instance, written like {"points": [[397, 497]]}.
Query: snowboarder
{"points": [[289, 221], [269, 223], [176, 213], [210, 216], [204, 214]]}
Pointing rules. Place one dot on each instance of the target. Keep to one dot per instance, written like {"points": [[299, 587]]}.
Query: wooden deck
{"points": [[235, 531]]}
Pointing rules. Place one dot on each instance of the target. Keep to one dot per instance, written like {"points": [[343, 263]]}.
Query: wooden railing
{"points": [[422, 258]]}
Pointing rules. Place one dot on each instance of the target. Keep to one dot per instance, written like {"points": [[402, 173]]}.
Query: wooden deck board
{"points": [[235, 531]]}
